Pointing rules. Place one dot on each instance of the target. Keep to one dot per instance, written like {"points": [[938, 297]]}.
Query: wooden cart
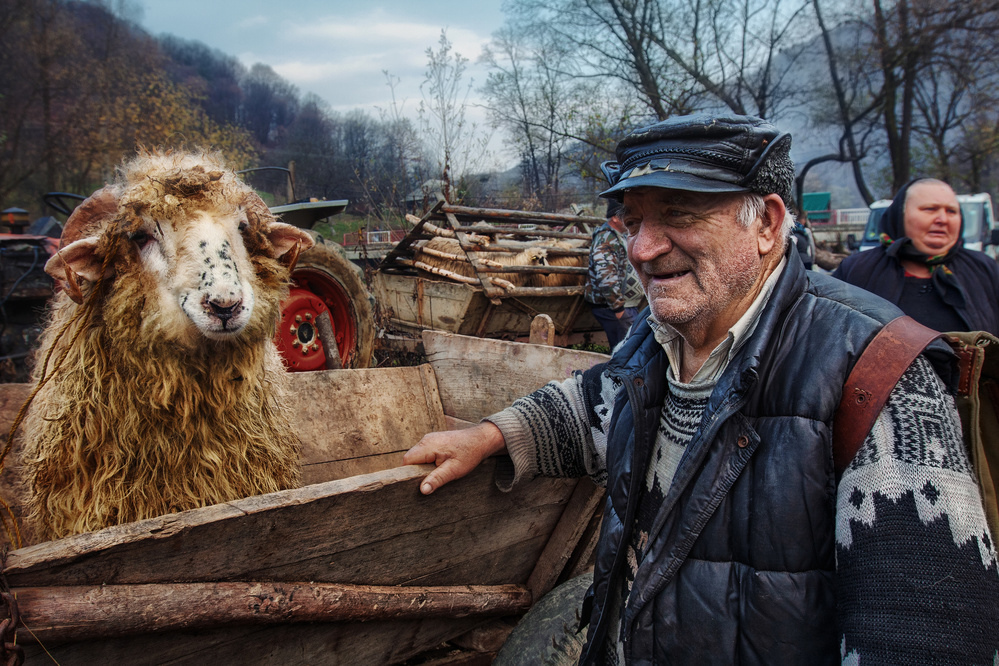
{"points": [[411, 300], [356, 565]]}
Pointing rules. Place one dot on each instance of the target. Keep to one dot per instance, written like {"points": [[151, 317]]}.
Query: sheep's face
{"points": [[201, 270], [200, 243]]}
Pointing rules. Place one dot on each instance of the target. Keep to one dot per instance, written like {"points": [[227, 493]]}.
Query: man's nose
{"points": [[649, 243]]}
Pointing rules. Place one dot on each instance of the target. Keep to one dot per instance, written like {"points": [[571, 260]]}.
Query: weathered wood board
{"points": [[479, 377], [373, 529], [360, 421]]}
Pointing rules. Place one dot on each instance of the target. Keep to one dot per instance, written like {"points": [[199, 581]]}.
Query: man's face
{"points": [[932, 217], [697, 263]]}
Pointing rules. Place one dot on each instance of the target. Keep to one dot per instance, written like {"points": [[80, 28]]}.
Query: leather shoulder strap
{"points": [[872, 379]]}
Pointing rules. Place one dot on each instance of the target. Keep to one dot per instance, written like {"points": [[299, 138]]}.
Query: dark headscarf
{"points": [[899, 246]]}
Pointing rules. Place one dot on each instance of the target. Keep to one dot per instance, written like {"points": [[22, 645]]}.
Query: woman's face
{"points": [[932, 217]]}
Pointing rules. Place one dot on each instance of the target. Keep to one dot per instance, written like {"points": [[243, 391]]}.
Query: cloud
{"points": [[252, 22]]}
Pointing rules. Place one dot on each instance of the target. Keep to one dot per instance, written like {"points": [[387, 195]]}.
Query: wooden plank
{"points": [[315, 644], [584, 557], [478, 377], [374, 529], [585, 502], [320, 472], [71, 613], [362, 415]]}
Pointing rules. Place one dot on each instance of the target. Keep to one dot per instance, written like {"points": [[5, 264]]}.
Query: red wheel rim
{"points": [[314, 292]]}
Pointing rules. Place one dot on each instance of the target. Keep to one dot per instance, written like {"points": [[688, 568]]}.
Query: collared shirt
{"points": [[707, 375]]}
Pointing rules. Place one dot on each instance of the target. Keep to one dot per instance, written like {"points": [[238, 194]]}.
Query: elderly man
{"points": [[727, 537], [922, 265]]}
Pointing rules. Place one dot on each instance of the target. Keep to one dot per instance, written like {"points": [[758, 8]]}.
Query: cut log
{"points": [[67, 613]]}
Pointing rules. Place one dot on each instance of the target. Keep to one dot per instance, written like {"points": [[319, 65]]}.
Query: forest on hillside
{"points": [[81, 88]]}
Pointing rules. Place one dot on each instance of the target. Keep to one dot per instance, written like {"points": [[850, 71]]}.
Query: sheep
{"points": [[560, 279], [445, 254], [160, 387]]}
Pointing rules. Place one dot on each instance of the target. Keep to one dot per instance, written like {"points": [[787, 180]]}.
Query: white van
{"points": [[980, 232]]}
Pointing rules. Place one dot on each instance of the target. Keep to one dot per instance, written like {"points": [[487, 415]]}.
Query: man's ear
{"points": [[771, 224]]}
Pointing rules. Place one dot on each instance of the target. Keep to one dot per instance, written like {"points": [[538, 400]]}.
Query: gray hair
{"points": [[754, 207]]}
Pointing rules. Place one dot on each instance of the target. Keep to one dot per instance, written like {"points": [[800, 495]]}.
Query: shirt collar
{"points": [[709, 373]]}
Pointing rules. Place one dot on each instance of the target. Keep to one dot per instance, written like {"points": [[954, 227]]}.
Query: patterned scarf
{"points": [[899, 246]]}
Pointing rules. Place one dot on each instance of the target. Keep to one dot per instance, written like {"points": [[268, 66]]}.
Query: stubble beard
{"points": [[695, 315]]}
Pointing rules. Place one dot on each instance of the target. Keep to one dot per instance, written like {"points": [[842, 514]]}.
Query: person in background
{"points": [[922, 265], [612, 286], [727, 535]]}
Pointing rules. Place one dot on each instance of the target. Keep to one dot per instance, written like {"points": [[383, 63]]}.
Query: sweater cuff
{"points": [[519, 463]]}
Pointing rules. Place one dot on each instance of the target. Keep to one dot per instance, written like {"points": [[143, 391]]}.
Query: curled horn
{"points": [[88, 218]]}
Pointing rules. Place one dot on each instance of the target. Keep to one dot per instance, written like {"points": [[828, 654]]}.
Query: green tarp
{"points": [[819, 202]]}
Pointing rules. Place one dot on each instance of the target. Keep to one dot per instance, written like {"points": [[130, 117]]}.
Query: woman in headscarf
{"points": [[922, 265]]}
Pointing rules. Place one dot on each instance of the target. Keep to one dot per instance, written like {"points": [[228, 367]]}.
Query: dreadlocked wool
{"points": [[171, 394]]}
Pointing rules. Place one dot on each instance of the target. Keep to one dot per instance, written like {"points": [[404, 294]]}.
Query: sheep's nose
{"points": [[225, 310]]}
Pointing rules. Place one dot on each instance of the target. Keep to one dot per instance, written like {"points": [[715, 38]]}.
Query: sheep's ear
{"points": [[79, 258], [285, 238]]}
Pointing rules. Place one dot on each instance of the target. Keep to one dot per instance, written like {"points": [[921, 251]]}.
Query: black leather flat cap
{"points": [[698, 153]]}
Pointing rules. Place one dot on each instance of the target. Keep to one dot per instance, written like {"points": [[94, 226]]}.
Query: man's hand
{"points": [[455, 452]]}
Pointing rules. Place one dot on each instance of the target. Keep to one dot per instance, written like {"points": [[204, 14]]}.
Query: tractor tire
{"points": [[549, 635], [324, 280]]}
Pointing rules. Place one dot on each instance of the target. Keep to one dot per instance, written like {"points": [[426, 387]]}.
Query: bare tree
{"points": [[444, 116], [918, 73], [536, 104], [680, 55]]}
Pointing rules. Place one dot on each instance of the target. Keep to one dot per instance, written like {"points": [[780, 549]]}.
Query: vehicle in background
{"points": [[980, 230]]}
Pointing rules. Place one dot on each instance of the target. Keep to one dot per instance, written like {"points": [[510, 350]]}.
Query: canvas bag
{"points": [[881, 366]]}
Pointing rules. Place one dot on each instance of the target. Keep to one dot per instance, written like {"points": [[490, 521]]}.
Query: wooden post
{"points": [[324, 326], [542, 330]]}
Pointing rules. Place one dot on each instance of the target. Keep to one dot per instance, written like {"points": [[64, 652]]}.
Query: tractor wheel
{"points": [[324, 280]]}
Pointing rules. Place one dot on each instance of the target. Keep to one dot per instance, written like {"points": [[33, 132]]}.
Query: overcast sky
{"points": [[335, 49]]}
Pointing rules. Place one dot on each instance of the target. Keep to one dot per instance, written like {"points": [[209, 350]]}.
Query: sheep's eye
{"points": [[140, 238], [244, 225]]}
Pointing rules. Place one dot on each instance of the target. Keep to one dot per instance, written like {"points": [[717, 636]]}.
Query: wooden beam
{"points": [[520, 232], [538, 269], [521, 216], [68, 613]]}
